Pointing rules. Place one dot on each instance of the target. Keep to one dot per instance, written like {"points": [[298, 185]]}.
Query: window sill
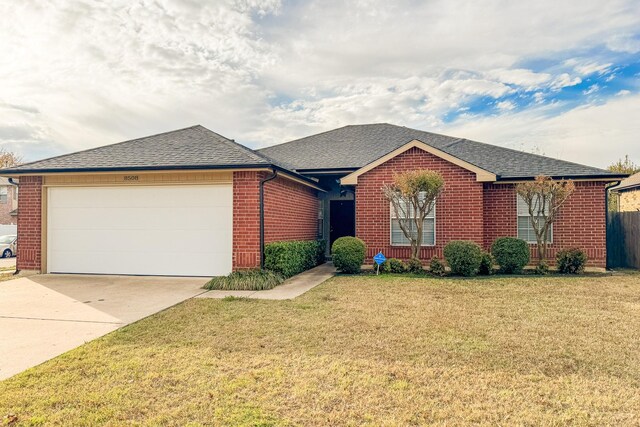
{"points": [[395, 245]]}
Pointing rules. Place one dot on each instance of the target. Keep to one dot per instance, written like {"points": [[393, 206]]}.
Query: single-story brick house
{"points": [[192, 202]]}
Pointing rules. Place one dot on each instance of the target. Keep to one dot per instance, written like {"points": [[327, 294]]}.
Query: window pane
{"points": [[428, 232], [526, 233], [398, 237], [523, 209]]}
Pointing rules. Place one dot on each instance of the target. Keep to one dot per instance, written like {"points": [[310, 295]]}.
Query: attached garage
{"points": [[183, 230], [189, 202]]}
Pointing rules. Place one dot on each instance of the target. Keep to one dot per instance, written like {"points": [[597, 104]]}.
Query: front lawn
{"points": [[360, 351]]}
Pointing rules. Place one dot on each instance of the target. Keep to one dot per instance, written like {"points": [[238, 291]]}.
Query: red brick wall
{"points": [[500, 212], [469, 210], [458, 210], [246, 220], [291, 213], [581, 221], [29, 223]]}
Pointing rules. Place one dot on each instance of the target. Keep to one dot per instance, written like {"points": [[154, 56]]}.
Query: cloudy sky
{"points": [[560, 78]]}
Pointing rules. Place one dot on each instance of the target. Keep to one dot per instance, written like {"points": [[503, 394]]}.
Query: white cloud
{"points": [[99, 71], [565, 80], [592, 89], [623, 92], [75, 74], [538, 97], [587, 67], [628, 43], [595, 134], [505, 105], [521, 77]]}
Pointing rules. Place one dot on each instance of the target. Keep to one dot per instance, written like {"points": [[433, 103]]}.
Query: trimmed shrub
{"points": [[348, 254], [463, 256], [486, 264], [246, 280], [511, 254], [396, 266], [293, 257], [571, 261], [436, 267], [414, 266]]}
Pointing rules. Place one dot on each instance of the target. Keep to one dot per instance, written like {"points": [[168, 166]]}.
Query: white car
{"points": [[8, 245]]}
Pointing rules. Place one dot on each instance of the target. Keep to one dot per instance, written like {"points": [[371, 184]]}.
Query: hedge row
{"points": [[293, 257], [466, 258]]}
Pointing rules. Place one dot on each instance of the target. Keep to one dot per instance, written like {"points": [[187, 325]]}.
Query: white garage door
{"points": [[171, 230]]}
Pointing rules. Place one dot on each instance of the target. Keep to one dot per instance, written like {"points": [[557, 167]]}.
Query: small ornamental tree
{"points": [[544, 196], [413, 195]]}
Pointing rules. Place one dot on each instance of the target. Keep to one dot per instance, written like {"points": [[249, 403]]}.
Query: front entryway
{"points": [[342, 219]]}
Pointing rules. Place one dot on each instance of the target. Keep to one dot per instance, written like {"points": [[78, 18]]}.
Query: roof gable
{"points": [[481, 174]]}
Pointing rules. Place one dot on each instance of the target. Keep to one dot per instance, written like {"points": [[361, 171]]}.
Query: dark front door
{"points": [[342, 219]]}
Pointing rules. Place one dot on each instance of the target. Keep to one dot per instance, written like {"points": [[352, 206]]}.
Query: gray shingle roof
{"points": [[193, 147], [352, 147], [632, 182]]}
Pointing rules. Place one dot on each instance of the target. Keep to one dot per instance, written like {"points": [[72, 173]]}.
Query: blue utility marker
{"points": [[379, 258]]}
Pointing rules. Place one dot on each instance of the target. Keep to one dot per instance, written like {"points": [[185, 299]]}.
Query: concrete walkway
{"points": [[291, 288], [44, 316]]}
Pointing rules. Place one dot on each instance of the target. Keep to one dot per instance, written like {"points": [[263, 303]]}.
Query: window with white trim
{"points": [[525, 229], [428, 229], [3, 194]]}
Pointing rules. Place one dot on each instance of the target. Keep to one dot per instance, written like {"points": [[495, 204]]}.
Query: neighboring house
{"points": [[628, 194], [191, 202], [8, 202]]}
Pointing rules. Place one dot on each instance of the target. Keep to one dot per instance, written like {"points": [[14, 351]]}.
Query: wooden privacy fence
{"points": [[623, 240]]}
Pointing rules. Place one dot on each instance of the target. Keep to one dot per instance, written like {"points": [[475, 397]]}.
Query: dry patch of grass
{"points": [[360, 351]]}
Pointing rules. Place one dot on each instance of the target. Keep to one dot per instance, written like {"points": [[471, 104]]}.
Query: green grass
{"points": [[372, 351], [246, 280]]}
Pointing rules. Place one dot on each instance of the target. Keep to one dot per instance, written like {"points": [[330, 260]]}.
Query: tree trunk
{"points": [[415, 249]]}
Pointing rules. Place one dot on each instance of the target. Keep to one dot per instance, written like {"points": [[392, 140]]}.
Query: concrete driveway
{"points": [[44, 316], [8, 262]]}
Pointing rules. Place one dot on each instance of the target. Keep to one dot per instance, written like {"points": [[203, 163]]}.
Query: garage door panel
{"points": [[178, 230], [142, 196], [161, 264], [137, 240], [192, 218]]}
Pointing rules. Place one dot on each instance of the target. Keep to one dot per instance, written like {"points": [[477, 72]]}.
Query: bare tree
{"points": [[9, 158], [544, 197], [413, 195]]}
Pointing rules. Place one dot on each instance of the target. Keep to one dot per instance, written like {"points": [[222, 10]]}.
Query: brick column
{"points": [[29, 255], [246, 220]]}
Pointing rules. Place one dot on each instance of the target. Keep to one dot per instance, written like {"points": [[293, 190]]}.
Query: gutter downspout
{"points": [[606, 211], [273, 175]]}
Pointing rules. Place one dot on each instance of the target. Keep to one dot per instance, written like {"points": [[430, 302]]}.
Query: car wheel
{"points": [[7, 253]]}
